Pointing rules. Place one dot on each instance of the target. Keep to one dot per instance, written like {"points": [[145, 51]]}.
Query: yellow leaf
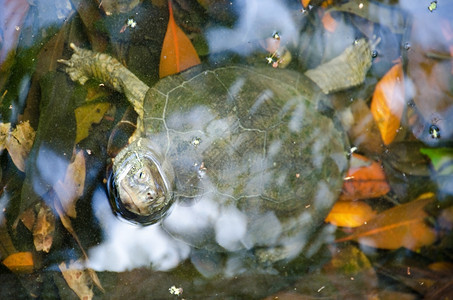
{"points": [[387, 104], [78, 279], [350, 214], [88, 114], [71, 189], [400, 226], [18, 142], [4, 132], [178, 53], [20, 262]]}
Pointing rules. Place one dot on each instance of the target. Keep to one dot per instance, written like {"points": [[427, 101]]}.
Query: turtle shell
{"points": [[252, 162]]}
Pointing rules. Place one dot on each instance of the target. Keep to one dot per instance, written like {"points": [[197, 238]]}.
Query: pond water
{"points": [[289, 110]]}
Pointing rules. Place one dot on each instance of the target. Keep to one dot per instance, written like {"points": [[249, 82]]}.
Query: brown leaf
{"points": [[66, 221], [387, 104], [44, 229], [88, 115], [400, 226], [364, 179], [28, 218], [350, 214], [363, 131], [78, 279], [18, 142], [71, 189], [20, 262], [178, 53]]}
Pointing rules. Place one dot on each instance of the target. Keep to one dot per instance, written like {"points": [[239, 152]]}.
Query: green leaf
{"points": [[441, 158]]}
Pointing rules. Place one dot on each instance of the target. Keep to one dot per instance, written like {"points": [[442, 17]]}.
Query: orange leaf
{"points": [[400, 226], [178, 53], [20, 262], [329, 22], [388, 103], [305, 3], [365, 179], [350, 214]]}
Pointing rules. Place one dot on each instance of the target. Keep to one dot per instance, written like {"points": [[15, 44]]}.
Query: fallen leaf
{"points": [[78, 279], [400, 226], [387, 104], [363, 131], [18, 142], [441, 158], [87, 115], [71, 189], [364, 179], [305, 3], [6, 243], [20, 262], [4, 133], [28, 218], [350, 214], [442, 266], [66, 221], [329, 22], [178, 53], [44, 229]]}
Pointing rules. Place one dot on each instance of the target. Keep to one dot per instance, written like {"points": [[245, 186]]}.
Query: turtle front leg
{"points": [[85, 64]]}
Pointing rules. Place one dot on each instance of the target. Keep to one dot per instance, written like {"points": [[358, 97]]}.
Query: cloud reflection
{"points": [[127, 246], [258, 19]]}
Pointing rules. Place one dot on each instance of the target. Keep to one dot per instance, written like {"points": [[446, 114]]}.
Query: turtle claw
{"points": [[77, 65]]}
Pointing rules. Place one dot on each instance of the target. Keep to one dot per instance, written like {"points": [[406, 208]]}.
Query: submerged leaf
{"points": [[441, 158], [44, 229], [66, 221], [20, 262], [18, 142], [78, 279], [350, 214], [87, 115], [400, 226], [71, 189], [305, 3], [178, 53], [365, 179], [387, 104]]}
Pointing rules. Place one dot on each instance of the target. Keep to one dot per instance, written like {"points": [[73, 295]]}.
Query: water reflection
{"points": [[258, 19], [128, 246], [210, 230]]}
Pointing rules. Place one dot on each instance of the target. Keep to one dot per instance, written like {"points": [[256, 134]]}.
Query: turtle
{"points": [[227, 157]]}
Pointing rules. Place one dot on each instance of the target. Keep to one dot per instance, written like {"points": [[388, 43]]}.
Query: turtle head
{"points": [[141, 184]]}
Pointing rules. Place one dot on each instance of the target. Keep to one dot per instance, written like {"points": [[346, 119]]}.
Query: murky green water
{"points": [[55, 201]]}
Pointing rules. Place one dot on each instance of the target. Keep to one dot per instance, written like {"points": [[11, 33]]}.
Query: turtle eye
{"points": [[142, 176]]}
